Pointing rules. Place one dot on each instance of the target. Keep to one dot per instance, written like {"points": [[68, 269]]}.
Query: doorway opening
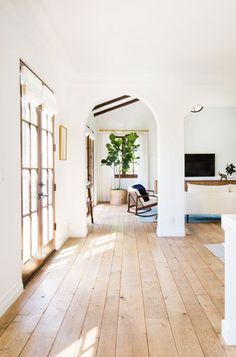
{"points": [[121, 116]]}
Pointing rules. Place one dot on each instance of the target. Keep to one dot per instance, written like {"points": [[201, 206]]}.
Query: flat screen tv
{"points": [[199, 165]]}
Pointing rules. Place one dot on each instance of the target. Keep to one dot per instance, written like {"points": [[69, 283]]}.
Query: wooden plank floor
{"points": [[123, 292]]}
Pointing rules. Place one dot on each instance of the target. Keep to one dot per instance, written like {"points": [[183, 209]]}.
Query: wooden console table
{"points": [[209, 182]]}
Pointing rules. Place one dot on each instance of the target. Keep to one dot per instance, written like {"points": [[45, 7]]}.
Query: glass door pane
{"points": [[37, 188], [37, 176], [47, 181]]}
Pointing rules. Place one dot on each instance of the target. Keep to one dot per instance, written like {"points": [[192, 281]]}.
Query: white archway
{"points": [[131, 124]]}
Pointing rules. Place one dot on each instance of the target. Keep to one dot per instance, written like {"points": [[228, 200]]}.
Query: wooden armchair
{"points": [[137, 205]]}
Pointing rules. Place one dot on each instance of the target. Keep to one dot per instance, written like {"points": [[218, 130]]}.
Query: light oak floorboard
{"points": [[123, 292]]}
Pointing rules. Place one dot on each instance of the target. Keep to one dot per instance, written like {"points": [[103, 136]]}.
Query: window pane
{"points": [[50, 123], [45, 225], [50, 150], [44, 123], [25, 110], [44, 187], [34, 190], [44, 149], [34, 232], [50, 186], [50, 223], [26, 239], [34, 117], [26, 191], [34, 146], [25, 144]]}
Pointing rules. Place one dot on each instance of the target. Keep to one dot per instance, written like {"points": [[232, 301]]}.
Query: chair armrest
{"points": [[141, 196], [150, 191]]}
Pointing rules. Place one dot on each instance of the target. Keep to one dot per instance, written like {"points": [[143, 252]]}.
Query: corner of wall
{"points": [[82, 232], [170, 232], [10, 297]]}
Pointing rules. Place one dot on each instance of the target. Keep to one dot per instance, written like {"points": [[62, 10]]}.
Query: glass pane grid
{"points": [[32, 170]]}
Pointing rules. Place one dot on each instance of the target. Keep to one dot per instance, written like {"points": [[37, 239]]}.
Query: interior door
{"points": [[90, 162], [37, 147]]}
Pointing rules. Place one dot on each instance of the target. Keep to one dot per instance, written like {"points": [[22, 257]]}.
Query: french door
{"points": [[37, 173]]}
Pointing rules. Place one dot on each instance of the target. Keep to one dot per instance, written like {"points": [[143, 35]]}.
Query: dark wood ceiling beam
{"points": [[116, 107], [111, 101]]}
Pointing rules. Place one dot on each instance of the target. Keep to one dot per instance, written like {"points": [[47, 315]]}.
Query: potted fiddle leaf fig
{"points": [[122, 152]]}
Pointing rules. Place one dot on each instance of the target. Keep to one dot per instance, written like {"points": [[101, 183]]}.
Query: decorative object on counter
{"points": [[230, 169], [222, 176]]}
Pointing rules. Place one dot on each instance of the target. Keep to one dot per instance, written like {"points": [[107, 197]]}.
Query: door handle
{"points": [[41, 195]]}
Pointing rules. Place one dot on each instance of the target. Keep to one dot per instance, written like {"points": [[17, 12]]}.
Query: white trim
{"points": [[229, 332], [81, 233], [10, 297], [170, 232]]}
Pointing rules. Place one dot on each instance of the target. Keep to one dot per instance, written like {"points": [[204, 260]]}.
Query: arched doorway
{"points": [[120, 115]]}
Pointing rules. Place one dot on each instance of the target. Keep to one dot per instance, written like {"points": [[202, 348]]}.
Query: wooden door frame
{"points": [[30, 267]]}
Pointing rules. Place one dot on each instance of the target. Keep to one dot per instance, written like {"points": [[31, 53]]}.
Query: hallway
{"points": [[122, 292]]}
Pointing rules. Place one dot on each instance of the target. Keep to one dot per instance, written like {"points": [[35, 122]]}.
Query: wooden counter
{"points": [[210, 182]]}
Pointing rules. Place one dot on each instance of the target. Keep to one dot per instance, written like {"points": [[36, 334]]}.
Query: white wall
{"points": [[213, 130], [19, 39], [136, 116]]}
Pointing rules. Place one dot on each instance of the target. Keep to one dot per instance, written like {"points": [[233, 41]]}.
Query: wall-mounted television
{"points": [[199, 165]]}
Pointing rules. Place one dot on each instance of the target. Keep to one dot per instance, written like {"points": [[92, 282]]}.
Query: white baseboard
{"points": [[229, 332], [79, 234], [170, 232], [10, 297]]}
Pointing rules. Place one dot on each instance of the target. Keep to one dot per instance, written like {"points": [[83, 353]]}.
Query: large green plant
{"points": [[121, 154]]}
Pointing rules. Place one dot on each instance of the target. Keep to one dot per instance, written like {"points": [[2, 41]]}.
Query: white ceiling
{"points": [[149, 37]]}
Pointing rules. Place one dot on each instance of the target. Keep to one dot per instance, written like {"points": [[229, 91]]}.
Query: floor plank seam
{"points": [[104, 307], [198, 305], [69, 266], [167, 313]]}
